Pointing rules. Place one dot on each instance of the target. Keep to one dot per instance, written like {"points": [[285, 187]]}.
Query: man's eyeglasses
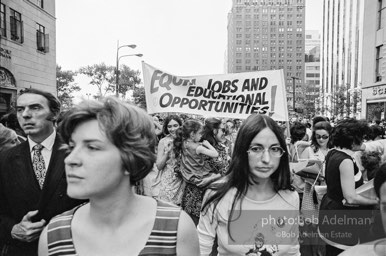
{"points": [[258, 151], [318, 137]]}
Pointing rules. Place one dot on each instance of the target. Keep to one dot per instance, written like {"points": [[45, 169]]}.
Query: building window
{"points": [[378, 59], [16, 26], [379, 14], [41, 38], [3, 30], [41, 3]]}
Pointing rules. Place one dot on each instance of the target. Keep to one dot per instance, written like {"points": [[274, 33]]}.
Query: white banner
{"points": [[229, 95]]}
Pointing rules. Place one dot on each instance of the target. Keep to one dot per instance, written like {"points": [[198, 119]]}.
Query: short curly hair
{"points": [[128, 127], [371, 161], [349, 132], [297, 131]]}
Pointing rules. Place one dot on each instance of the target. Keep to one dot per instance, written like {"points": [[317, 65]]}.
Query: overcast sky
{"points": [[183, 37]]}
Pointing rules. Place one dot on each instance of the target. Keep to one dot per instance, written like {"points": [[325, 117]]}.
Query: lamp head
{"points": [[139, 55]]}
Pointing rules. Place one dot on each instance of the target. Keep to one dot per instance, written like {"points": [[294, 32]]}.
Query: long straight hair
{"points": [[239, 174]]}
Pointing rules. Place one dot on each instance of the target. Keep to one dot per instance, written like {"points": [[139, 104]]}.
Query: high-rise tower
{"points": [[268, 35]]}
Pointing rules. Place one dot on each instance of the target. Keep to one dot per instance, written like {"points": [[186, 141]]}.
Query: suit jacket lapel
{"points": [[22, 167], [55, 170], [54, 174]]}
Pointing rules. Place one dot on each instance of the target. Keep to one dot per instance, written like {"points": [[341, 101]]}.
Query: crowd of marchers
{"points": [[107, 178]]}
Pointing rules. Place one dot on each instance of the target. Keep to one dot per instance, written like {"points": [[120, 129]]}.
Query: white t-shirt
{"points": [[262, 226]]}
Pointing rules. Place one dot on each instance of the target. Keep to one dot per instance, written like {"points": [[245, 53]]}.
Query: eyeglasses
{"points": [[258, 151], [325, 137]]}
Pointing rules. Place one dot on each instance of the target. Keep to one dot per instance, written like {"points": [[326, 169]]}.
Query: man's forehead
{"points": [[28, 99]]}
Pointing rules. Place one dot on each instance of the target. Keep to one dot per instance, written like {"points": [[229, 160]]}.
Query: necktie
{"points": [[39, 165]]}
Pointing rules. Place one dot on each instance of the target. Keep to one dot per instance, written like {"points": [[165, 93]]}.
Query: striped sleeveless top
{"points": [[162, 239]]}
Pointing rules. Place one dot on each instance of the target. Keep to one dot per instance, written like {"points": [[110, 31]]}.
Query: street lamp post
{"points": [[117, 68]]}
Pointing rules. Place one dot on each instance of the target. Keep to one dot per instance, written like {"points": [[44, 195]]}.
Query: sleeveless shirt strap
{"points": [[59, 238]]}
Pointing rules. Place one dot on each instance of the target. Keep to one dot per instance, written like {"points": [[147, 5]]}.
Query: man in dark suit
{"points": [[32, 178]]}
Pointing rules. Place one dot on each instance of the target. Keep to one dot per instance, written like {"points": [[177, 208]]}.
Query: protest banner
{"points": [[227, 95]]}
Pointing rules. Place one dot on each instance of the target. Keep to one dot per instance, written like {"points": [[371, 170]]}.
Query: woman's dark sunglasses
{"points": [[325, 137]]}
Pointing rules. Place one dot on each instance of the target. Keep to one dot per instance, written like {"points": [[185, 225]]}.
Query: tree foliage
{"points": [[102, 76], [65, 86], [139, 97], [128, 79], [340, 100]]}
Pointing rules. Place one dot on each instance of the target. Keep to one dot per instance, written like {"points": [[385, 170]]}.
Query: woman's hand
{"points": [[168, 148]]}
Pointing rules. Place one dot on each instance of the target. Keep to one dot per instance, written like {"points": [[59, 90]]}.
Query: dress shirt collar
{"points": [[48, 143]]}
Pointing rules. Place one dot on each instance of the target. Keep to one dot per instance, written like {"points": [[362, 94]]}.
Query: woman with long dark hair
{"points": [[170, 184], [214, 133], [257, 187]]}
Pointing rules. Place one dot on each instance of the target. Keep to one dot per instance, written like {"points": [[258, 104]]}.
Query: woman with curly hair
{"points": [[111, 146], [342, 178]]}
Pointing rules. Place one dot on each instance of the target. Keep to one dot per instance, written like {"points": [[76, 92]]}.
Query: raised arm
{"points": [[163, 153]]}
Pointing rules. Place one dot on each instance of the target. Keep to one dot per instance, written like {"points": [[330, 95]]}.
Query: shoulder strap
{"points": [[163, 237], [59, 237]]}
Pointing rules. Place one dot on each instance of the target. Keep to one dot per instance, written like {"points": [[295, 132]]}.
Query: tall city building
{"points": [[373, 79], [342, 56], [27, 48], [312, 73], [268, 35]]}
